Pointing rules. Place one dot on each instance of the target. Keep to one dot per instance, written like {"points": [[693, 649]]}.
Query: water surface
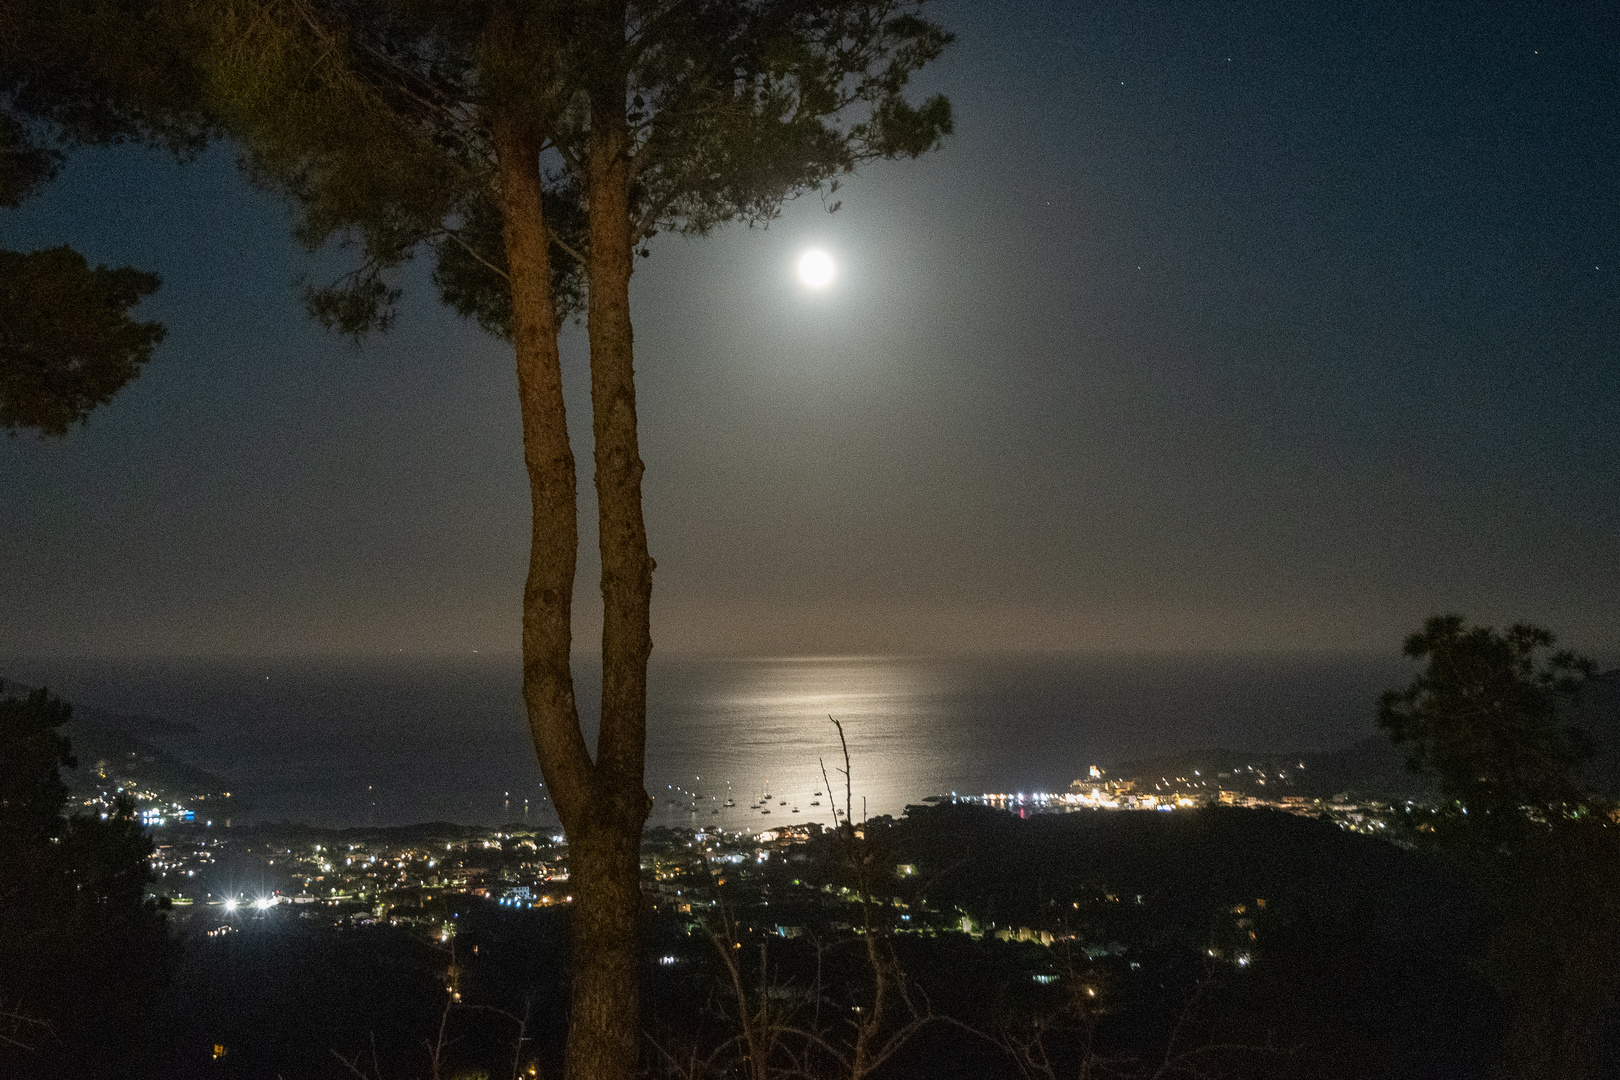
{"points": [[393, 741]]}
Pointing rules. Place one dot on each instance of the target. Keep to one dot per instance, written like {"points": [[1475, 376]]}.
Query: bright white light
{"points": [[816, 269], [263, 903], [230, 905]]}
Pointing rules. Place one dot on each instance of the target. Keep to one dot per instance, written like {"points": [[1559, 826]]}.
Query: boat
{"points": [[764, 811], [782, 803], [795, 809], [816, 803], [731, 802]]}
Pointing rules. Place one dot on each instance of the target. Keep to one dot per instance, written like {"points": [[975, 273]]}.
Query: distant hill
{"points": [[119, 744], [1371, 768], [115, 742]]}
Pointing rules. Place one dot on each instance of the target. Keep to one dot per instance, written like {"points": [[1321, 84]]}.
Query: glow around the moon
{"points": [[816, 268]]}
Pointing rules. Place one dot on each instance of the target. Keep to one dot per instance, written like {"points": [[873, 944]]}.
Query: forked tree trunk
{"points": [[602, 806]]}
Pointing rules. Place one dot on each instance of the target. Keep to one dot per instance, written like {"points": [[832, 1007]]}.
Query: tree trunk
{"points": [[604, 1034], [548, 594], [602, 806]]}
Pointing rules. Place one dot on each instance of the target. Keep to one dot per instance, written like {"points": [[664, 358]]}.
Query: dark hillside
{"points": [[1346, 946]]}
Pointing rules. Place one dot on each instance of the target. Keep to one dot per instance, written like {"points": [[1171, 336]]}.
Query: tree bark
{"points": [[605, 1030], [626, 564], [602, 806], [548, 594]]}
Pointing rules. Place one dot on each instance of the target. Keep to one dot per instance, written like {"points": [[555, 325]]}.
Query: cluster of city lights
{"points": [[539, 901], [263, 903]]}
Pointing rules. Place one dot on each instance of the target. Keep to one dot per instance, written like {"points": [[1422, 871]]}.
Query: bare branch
{"points": [[455, 236], [567, 248]]}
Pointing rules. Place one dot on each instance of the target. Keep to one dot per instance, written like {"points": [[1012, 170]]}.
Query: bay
{"points": [[401, 740]]}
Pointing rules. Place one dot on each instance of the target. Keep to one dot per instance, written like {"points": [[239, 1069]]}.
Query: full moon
{"points": [[815, 268]]}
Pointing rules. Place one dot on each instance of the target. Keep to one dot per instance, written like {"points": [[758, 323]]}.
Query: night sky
{"points": [[1214, 327]]}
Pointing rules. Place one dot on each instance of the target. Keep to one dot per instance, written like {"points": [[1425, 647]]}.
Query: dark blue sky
{"points": [[1227, 327]]}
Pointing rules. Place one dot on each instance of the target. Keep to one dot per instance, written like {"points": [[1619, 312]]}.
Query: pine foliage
{"points": [[374, 118]]}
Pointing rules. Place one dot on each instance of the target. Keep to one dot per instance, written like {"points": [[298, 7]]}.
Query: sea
{"points": [[394, 741]]}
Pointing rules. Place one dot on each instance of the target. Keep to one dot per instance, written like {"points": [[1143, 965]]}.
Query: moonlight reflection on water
{"points": [[395, 741], [762, 725]]}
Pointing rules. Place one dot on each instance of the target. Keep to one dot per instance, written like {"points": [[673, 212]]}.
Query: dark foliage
{"points": [[67, 342], [83, 951], [31, 787], [470, 266], [24, 164], [98, 71], [1490, 717], [75, 72], [1358, 967], [375, 118]]}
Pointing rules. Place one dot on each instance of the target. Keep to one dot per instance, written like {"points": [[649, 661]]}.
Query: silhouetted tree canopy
{"points": [[24, 164], [375, 116], [1489, 718], [34, 751], [84, 948], [46, 853], [75, 72], [1488, 715], [67, 341]]}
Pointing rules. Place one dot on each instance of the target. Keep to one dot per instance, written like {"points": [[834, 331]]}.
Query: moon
{"points": [[816, 268]]}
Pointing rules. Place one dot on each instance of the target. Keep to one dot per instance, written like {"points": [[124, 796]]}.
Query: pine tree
{"points": [[535, 148], [1489, 718]]}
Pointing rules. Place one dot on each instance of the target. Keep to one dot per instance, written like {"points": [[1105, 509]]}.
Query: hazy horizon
{"points": [[401, 739]]}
